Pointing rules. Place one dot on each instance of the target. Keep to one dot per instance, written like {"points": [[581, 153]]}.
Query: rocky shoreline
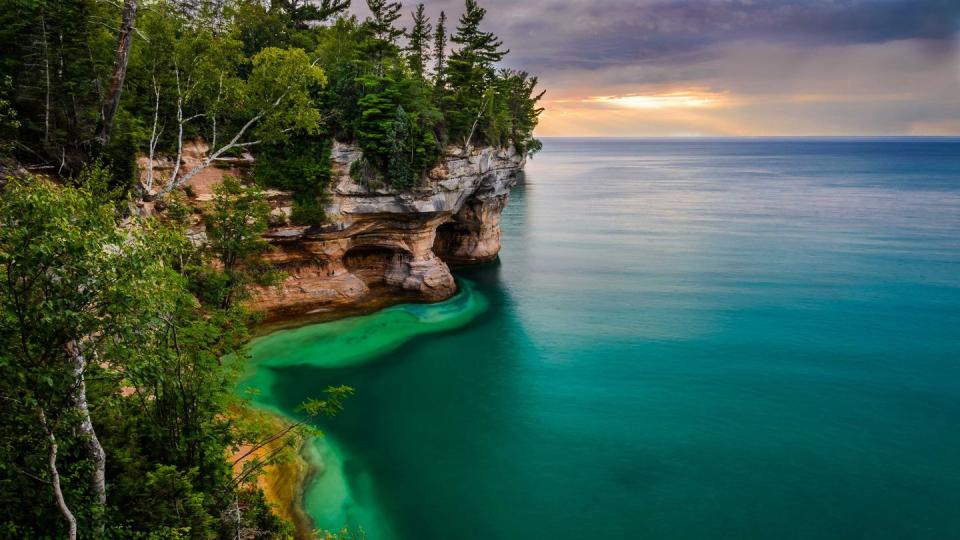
{"points": [[382, 246], [379, 247]]}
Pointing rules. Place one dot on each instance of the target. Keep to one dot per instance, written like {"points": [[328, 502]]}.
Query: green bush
{"points": [[307, 212]]}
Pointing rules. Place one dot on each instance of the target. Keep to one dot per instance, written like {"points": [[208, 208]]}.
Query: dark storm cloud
{"points": [[550, 34]]}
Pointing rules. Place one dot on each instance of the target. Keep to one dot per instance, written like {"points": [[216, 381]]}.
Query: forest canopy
{"points": [[280, 80]]}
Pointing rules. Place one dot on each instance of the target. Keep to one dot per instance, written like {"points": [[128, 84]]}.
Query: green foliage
{"points": [[329, 406], [176, 506], [235, 228], [398, 141], [250, 76], [478, 49], [72, 278], [401, 120], [100, 181], [303, 12], [279, 89], [300, 164], [381, 43], [8, 119], [308, 211], [54, 54], [161, 390], [383, 99], [418, 49], [471, 91], [63, 265], [342, 534], [440, 51]]}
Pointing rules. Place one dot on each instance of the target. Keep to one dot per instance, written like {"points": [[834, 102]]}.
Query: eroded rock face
{"points": [[383, 246]]}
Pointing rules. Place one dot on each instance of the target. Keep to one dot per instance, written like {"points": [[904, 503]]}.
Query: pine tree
{"points": [[382, 16], [471, 74], [304, 12], [418, 49], [383, 34], [478, 49], [440, 50]]}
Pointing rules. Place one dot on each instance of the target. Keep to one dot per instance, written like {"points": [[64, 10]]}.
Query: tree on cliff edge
{"points": [[418, 49], [470, 73]]}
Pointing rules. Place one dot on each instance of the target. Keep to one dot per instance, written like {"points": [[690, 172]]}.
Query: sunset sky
{"points": [[735, 67]]}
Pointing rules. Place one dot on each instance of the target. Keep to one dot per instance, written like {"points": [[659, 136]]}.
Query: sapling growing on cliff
{"points": [[235, 228]]}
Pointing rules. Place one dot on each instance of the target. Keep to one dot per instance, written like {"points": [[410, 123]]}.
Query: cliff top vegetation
{"points": [[279, 80]]}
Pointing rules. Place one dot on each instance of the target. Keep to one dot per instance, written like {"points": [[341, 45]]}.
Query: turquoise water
{"points": [[682, 339]]}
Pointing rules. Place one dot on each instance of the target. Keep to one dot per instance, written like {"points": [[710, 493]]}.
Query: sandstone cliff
{"points": [[383, 246]]}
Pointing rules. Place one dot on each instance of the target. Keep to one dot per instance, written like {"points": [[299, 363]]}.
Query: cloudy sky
{"points": [[735, 67]]}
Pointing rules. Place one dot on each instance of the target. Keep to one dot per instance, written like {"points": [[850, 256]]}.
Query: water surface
{"points": [[683, 339]]}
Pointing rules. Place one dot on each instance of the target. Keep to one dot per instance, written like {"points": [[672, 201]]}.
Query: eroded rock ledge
{"points": [[383, 246]]}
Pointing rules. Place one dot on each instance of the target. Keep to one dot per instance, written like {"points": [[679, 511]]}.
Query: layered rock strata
{"points": [[382, 246]]}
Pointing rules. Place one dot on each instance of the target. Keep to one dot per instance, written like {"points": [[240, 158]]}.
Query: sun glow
{"points": [[664, 100]]}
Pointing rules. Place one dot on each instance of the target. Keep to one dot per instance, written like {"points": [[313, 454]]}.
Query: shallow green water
{"points": [[338, 497], [697, 339]]}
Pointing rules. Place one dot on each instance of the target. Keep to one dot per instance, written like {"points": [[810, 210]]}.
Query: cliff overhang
{"points": [[380, 245]]}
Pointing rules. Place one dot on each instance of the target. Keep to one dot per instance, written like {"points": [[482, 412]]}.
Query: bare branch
{"points": [[154, 135]]}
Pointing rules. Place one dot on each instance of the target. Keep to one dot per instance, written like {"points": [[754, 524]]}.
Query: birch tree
{"points": [[203, 87], [65, 270]]}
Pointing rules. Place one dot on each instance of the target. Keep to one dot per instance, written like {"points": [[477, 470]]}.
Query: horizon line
{"points": [[954, 136]]}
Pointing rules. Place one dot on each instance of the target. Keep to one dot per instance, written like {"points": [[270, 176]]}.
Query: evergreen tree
{"points": [[396, 131], [520, 96], [478, 50], [470, 74], [440, 51], [418, 49], [383, 35], [303, 13]]}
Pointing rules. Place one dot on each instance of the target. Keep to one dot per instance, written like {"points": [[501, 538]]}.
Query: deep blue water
{"points": [[684, 339]]}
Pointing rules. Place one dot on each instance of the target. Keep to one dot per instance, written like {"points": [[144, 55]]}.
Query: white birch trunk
{"points": [[98, 480], [55, 479]]}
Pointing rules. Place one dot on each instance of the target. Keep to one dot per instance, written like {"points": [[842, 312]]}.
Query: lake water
{"points": [[682, 339]]}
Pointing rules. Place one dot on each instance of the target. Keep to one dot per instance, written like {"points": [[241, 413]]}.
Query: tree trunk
{"points": [[154, 136], [98, 480], [55, 479], [46, 74], [124, 41]]}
